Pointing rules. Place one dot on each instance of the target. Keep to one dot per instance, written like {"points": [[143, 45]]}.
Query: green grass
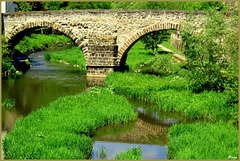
{"points": [[203, 141], [143, 86], [133, 154], [168, 45], [172, 94], [137, 55], [73, 56], [63, 130], [38, 42], [144, 61]]}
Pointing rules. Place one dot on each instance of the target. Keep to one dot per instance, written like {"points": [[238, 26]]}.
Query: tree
{"points": [[7, 65], [54, 5], [152, 40], [30, 6], [217, 6], [212, 53], [89, 5]]}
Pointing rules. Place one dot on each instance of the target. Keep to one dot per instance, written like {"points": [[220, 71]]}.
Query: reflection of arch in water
{"points": [[155, 128]]}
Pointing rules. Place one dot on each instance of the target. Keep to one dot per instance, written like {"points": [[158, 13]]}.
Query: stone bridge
{"points": [[104, 36]]}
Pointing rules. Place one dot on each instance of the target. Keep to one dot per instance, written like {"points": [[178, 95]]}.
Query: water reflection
{"points": [[43, 83], [149, 132], [110, 149]]}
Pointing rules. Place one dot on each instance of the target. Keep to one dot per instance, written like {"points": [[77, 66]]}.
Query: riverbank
{"points": [[38, 42], [73, 56], [63, 130], [172, 94]]}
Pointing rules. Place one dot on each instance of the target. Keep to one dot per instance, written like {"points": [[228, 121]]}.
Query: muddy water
{"points": [[46, 81]]}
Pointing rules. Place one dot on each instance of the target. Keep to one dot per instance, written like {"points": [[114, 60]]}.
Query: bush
{"points": [[63, 130], [163, 65]]}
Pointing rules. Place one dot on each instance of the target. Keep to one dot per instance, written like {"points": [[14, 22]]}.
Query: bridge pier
{"points": [[102, 55], [101, 71]]}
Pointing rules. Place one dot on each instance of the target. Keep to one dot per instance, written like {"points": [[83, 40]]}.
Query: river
{"points": [[46, 81]]}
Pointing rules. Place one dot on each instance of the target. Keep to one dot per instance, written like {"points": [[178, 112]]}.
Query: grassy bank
{"points": [[37, 42], [72, 56], [194, 141], [172, 94], [203, 141], [138, 55], [63, 130], [144, 61]]}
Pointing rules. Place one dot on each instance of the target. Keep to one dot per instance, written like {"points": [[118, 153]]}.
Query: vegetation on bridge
{"points": [[37, 6], [63, 129]]}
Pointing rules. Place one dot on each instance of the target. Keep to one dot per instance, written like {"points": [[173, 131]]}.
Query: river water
{"points": [[46, 81]]}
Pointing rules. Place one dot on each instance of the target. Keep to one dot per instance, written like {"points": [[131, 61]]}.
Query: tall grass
{"points": [[63, 130], [203, 141], [172, 94], [143, 86], [38, 42], [133, 154], [73, 56]]}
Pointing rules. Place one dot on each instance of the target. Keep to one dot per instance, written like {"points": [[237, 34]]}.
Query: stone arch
{"points": [[122, 52], [16, 33]]}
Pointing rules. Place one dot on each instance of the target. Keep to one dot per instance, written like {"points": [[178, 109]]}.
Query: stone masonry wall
{"points": [[176, 41], [103, 35]]}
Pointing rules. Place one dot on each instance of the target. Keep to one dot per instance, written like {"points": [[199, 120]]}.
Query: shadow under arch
{"points": [[122, 52]]}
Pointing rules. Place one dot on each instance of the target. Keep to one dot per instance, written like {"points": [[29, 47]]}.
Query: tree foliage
{"points": [[89, 5], [7, 62], [154, 38], [54, 5], [57, 5], [212, 53], [30, 6]]}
